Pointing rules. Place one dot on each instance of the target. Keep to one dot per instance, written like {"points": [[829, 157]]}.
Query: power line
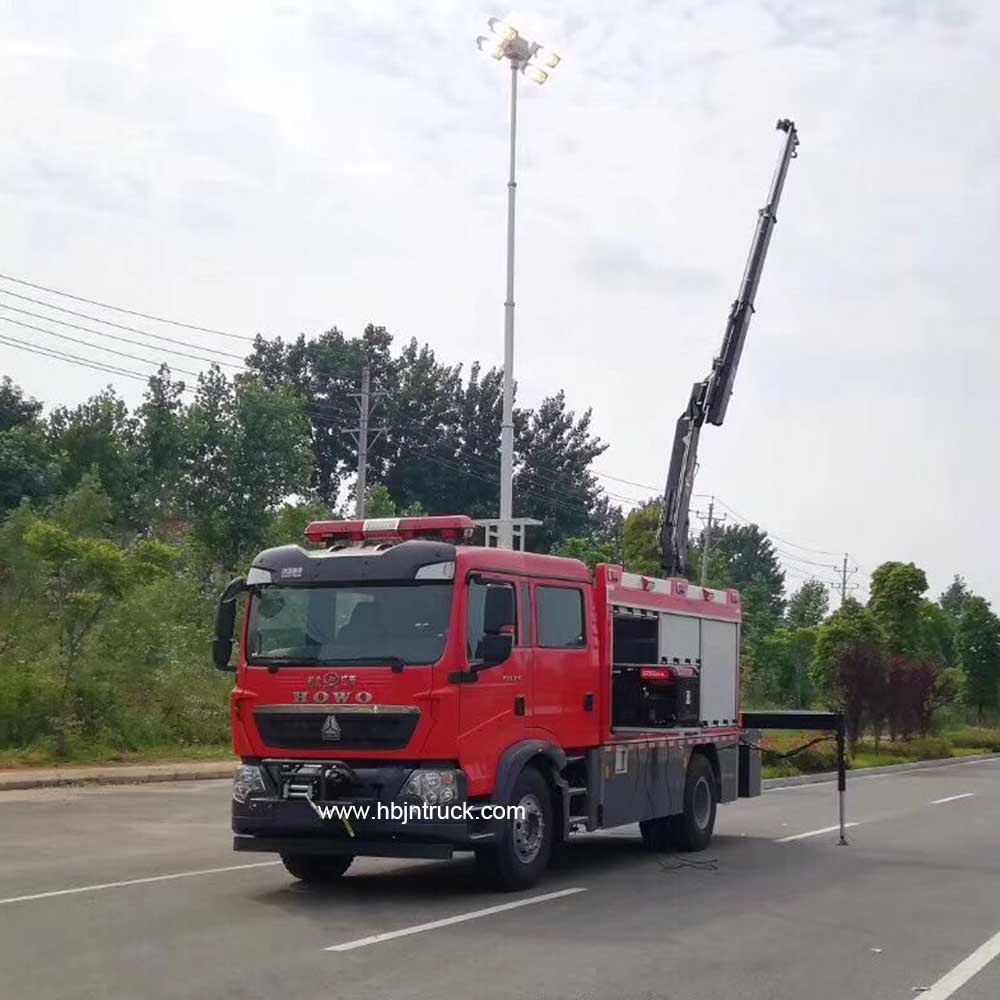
{"points": [[121, 309], [628, 482], [451, 466], [111, 336], [328, 373], [784, 541], [72, 358], [117, 326], [85, 343]]}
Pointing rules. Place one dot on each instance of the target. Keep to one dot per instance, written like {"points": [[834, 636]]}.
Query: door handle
{"points": [[588, 702], [520, 705]]}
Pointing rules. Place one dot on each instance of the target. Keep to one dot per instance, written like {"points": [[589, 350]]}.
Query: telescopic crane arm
{"points": [[710, 398]]}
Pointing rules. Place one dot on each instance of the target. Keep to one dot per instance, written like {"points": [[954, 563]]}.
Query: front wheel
{"points": [[518, 858], [692, 829], [317, 867]]}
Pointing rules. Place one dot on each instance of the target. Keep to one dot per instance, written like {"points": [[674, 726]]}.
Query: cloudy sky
{"points": [[284, 167]]}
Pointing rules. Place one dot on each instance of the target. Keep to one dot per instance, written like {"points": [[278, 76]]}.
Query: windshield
{"points": [[405, 623]]}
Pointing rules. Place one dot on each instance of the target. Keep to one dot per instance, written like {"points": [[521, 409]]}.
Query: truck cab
{"points": [[395, 685]]}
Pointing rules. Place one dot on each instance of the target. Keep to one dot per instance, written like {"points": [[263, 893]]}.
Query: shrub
{"points": [[814, 760], [976, 738], [931, 748]]}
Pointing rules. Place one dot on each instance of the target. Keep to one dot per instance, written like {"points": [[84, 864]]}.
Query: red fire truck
{"points": [[395, 669], [395, 665]]}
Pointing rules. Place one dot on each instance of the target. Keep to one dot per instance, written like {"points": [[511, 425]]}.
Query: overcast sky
{"points": [[288, 167]]}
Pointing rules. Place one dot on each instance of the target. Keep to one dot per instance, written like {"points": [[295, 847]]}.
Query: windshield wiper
{"points": [[273, 662], [395, 662]]}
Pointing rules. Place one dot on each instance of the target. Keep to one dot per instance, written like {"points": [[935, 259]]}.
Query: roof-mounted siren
{"points": [[454, 528]]}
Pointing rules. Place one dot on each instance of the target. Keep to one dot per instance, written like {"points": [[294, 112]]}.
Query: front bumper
{"points": [[354, 847], [359, 825]]}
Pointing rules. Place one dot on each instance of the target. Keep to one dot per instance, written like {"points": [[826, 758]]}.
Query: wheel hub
{"points": [[701, 805], [529, 829]]}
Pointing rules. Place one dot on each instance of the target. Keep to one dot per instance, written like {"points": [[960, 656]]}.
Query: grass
{"points": [[961, 742], [965, 741], [43, 756]]}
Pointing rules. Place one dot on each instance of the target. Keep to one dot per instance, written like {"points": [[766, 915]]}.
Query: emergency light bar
{"points": [[453, 528]]}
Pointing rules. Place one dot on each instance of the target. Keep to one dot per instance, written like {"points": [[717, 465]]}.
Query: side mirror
{"points": [[496, 649], [498, 611], [225, 622]]}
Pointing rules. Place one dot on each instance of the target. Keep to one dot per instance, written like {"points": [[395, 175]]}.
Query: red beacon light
{"points": [[454, 528]]}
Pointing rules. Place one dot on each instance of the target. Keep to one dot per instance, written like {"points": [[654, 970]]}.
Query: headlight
{"points": [[248, 781], [432, 787]]}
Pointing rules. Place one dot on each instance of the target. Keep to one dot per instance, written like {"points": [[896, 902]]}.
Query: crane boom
{"points": [[710, 398]]}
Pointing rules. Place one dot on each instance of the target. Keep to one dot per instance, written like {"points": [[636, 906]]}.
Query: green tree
{"points": [[780, 667], [16, 409], [897, 605], [480, 410], [744, 558], [640, 546], [100, 435], [554, 482], [249, 451], [82, 578], [416, 460], [288, 526], [953, 598], [161, 444], [979, 652], [937, 634], [808, 606], [27, 466], [849, 626], [586, 551], [324, 373], [379, 502]]}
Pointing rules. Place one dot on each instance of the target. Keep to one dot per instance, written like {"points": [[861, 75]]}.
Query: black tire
{"points": [[656, 834], [318, 868], [522, 853], [692, 829]]}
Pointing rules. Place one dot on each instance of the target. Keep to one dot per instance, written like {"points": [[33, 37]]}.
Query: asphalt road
{"points": [[914, 901]]}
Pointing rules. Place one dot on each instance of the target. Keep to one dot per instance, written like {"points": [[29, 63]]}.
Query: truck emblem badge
{"points": [[331, 730]]}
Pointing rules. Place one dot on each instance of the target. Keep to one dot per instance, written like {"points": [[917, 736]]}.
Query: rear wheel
{"points": [[317, 867], [518, 858], [692, 829]]}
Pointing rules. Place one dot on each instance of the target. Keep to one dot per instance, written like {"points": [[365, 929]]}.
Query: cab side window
{"points": [[560, 618], [477, 614]]}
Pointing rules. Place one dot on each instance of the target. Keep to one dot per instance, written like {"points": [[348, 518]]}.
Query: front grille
{"points": [[312, 730]]}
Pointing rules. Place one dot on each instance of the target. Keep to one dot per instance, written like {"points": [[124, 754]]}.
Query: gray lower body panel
{"points": [[638, 781]]}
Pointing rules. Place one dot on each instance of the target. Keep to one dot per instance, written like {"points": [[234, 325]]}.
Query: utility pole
{"points": [[843, 580], [710, 521], [360, 434]]}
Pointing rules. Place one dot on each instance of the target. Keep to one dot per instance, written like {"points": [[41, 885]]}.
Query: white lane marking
{"points": [[964, 971], [448, 921], [134, 881], [812, 833], [953, 798]]}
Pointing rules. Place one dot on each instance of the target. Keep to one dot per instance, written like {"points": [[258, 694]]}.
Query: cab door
{"points": [[495, 709], [565, 663]]}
